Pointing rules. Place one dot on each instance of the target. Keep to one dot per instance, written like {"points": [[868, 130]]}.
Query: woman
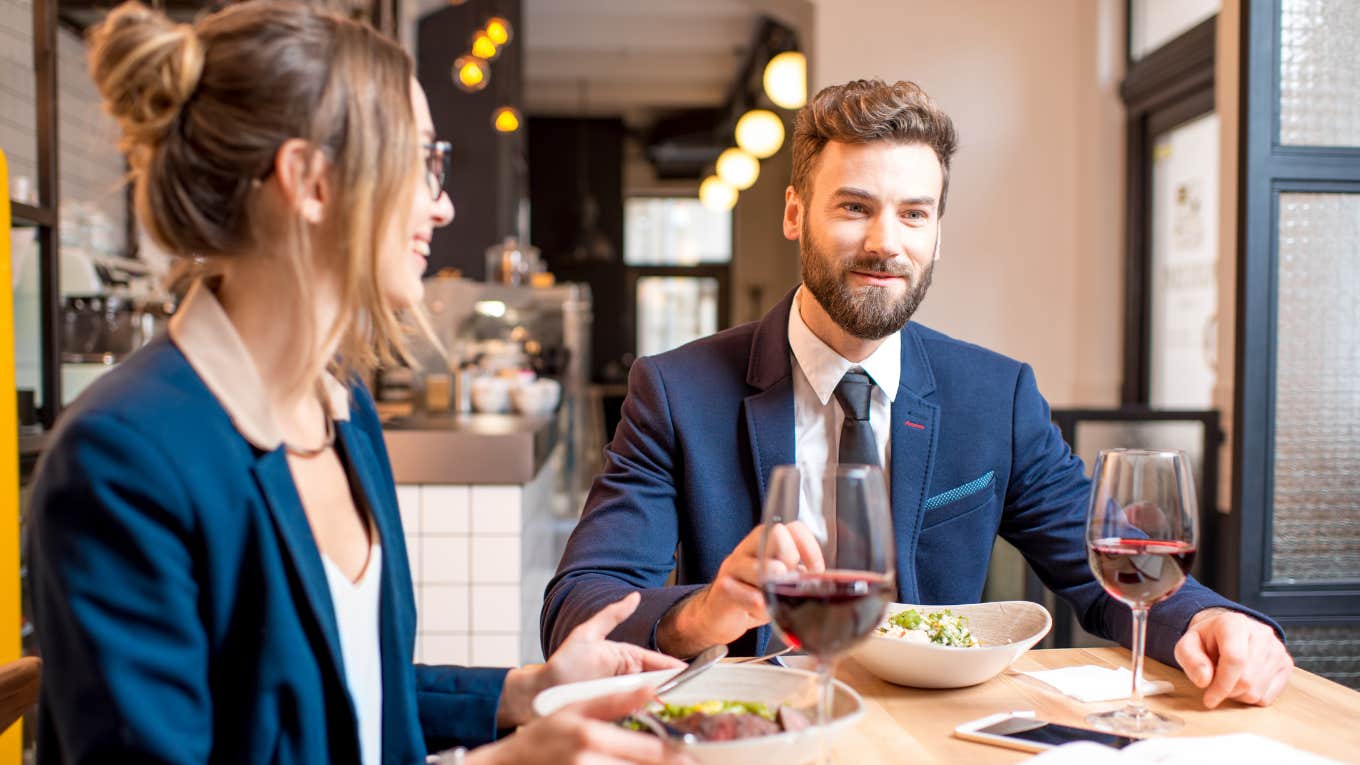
{"points": [[217, 561]]}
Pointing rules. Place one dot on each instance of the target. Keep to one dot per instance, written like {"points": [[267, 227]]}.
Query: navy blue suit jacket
{"points": [[974, 454], [179, 598]]}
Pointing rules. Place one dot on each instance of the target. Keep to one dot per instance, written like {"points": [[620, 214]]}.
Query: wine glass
{"points": [[826, 563], [1141, 537]]}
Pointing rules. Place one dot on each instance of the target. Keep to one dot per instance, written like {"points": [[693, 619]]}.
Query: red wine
{"points": [[1140, 572], [826, 614]]}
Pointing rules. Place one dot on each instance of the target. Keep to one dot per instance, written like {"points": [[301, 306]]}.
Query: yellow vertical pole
{"points": [[11, 743]]}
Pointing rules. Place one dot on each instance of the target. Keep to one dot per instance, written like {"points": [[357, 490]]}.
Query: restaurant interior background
{"points": [[1154, 204]]}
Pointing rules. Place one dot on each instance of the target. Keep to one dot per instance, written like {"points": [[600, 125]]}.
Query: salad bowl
{"points": [[1004, 631]]}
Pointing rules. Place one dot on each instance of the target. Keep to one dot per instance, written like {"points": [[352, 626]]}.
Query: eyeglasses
{"points": [[436, 166]]}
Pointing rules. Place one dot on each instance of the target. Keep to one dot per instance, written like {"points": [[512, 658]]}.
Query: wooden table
{"points": [[908, 725]]}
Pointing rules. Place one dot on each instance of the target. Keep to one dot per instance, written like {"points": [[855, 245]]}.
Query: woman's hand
{"points": [[583, 733], [584, 655]]}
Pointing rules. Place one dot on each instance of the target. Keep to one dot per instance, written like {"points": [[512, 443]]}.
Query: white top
{"points": [[817, 416], [356, 615]]}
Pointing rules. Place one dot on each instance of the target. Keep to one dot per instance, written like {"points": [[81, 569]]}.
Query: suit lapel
{"points": [[290, 522], [394, 616], [913, 434], [769, 411]]}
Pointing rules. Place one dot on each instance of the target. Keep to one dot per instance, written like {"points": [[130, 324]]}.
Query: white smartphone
{"points": [[1020, 730]]}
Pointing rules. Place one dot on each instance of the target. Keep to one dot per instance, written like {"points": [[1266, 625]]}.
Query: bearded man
{"points": [[962, 433]]}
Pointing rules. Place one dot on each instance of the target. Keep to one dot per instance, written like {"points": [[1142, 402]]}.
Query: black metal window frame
{"points": [[1165, 88], [1269, 169]]}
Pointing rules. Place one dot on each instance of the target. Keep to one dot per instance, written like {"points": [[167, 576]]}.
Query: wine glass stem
{"points": [[1139, 647], [826, 671]]}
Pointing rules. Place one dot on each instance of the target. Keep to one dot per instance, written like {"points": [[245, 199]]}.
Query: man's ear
{"points": [[301, 173], [793, 215], [939, 234]]}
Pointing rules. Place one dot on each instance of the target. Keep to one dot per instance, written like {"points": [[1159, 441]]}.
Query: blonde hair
{"points": [[870, 110], [204, 109]]}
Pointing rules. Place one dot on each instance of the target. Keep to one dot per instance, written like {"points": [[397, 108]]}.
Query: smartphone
{"points": [[1020, 730]]}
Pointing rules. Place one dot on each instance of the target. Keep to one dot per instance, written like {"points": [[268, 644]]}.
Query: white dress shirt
{"points": [[817, 416]]}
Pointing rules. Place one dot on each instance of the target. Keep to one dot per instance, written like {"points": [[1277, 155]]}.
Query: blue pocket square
{"points": [[972, 487]]}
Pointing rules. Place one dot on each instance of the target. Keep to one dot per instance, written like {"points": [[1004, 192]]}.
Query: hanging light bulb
{"points": [[499, 30], [760, 132], [738, 169], [716, 195], [506, 119], [484, 47], [786, 80], [471, 73]]}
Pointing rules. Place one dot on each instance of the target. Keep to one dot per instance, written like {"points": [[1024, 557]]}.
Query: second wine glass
{"points": [[1141, 537], [827, 563]]}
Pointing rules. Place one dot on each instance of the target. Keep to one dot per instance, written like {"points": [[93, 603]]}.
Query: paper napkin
{"points": [[1088, 683]]}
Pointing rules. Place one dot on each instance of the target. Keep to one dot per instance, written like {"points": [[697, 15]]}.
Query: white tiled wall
{"points": [[466, 547]]}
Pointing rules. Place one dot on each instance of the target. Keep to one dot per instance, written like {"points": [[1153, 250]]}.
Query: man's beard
{"points": [[869, 313]]}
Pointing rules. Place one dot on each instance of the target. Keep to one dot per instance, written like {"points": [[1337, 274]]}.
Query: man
{"points": [[963, 434]]}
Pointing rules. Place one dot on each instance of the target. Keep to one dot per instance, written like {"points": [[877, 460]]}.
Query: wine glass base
{"points": [[1131, 721]]}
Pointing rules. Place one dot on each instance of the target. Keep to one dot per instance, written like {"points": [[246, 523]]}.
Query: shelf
{"points": [[24, 216]]}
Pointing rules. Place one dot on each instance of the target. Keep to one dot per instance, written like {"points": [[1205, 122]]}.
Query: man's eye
{"points": [[916, 215], [854, 207]]}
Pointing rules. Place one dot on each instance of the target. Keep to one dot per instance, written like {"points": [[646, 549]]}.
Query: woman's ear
{"points": [[301, 172]]}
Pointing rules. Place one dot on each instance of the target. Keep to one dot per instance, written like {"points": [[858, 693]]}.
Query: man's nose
{"points": [[884, 237]]}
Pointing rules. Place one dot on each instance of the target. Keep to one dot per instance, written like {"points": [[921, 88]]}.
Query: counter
{"points": [[484, 515], [469, 448]]}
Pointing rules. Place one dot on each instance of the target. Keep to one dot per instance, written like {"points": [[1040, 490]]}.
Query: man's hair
{"points": [[870, 110]]}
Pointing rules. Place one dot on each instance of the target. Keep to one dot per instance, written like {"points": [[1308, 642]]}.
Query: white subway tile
{"points": [[495, 608], [446, 648], [495, 650], [413, 559], [496, 509], [444, 509], [408, 502], [495, 560], [444, 608], [445, 559]]}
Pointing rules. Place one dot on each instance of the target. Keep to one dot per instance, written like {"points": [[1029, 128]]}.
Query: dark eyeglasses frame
{"points": [[437, 155]]}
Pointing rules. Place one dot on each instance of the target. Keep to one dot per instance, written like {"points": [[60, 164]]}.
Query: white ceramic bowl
{"points": [[1006, 630], [738, 682], [536, 397], [490, 395]]}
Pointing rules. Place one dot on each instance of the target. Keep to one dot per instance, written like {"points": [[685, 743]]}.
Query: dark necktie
{"points": [[858, 445]]}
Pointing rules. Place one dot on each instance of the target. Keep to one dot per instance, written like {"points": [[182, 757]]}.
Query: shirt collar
{"points": [[205, 335], [824, 368]]}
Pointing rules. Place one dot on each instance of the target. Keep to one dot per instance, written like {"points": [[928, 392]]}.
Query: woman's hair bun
{"points": [[146, 67]]}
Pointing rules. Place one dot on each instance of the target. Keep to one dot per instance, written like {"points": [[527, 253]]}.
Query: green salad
{"points": [[671, 712], [938, 627]]}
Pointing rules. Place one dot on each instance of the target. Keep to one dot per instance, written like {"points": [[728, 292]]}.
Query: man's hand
{"points": [[584, 655], [1233, 656], [733, 603]]}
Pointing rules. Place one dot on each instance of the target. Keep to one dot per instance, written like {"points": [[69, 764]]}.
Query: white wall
{"points": [[1033, 234]]}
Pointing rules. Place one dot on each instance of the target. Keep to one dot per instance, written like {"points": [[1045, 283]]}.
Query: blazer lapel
{"points": [[769, 412], [913, 436], [290, 521], [395, 617]]}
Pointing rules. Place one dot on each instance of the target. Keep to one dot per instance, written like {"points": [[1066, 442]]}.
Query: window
{"points": [[678, 255]]}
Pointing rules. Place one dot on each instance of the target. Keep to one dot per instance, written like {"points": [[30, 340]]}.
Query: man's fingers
{"points": [[609, 617], [1278, 683], [1194, 658], [809, 549], [781, 547], [646, 661], [1233, 647]]}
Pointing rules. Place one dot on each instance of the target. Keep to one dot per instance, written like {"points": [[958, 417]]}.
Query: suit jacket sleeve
{"points": [[115, 600], [458, 705], [1046, 504], [626, 539]]}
